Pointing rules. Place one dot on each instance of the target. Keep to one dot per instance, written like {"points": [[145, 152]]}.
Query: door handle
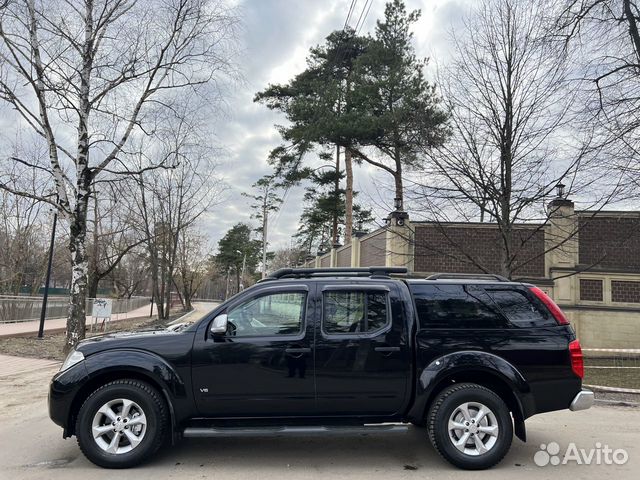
{"points": [[298, 350], [387, 349]]}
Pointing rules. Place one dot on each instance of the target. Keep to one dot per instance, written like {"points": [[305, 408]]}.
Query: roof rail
{"points": [[468, 276], [336, 271]]}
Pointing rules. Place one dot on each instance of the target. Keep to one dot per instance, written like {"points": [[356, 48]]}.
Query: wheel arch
{"points": [[133, 365], [481, 368]]}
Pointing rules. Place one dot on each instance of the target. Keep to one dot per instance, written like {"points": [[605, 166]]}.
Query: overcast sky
{"points": [[276, 38]]}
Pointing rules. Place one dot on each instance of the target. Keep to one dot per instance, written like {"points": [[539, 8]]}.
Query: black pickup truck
{"points": [[347, 351]]}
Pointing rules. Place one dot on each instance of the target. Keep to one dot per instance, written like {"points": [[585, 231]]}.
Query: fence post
{"points": [[399, 239], [334, 255], [355, 247], [561, 242]]}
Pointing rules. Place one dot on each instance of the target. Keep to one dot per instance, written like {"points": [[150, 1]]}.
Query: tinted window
{"points": [[455, 306], [354, 312], [520, 309], [274, 314]]}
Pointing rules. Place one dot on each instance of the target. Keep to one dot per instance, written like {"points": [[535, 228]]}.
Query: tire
{"points": [[141, 431], [478, 447]]}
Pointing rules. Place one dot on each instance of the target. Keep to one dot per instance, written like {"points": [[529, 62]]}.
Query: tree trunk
{"points": [[76, 320], [398, 181], [265, 220], [93, 282], [167, 295], [348, 198], [334, 228], [505, 252]]}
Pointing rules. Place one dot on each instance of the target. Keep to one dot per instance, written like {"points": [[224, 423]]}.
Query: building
{"points": [[587, 261]]}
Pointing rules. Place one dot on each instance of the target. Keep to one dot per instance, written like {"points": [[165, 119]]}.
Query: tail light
{"points": [[551, 305], [577, 361]]}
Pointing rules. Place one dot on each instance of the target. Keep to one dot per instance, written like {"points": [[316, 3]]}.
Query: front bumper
{"points": [[63, 389], [583, 400]]}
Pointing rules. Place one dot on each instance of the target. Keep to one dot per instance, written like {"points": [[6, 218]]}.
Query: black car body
{"points": [[367, 349]]}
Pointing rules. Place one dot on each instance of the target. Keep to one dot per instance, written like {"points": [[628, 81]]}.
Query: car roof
{"points": [[409, 281]]}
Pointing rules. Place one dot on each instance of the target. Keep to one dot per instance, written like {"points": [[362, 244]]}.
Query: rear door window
{"points": [[355, 312], [455, 306], [521, 308]]}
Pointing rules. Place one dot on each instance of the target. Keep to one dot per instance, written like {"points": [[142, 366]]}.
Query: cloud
{"points": [[275, 41]]}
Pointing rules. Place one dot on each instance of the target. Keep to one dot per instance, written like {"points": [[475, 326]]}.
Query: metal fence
{"points": [[612, 369], [27, 309]]}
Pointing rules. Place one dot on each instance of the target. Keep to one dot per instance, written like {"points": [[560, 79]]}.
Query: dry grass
{"points": [[50, 347]]}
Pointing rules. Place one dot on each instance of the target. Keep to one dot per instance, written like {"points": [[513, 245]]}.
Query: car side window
{"points": [[279, 313], [354, 312], [520, 309], [455, 306]]}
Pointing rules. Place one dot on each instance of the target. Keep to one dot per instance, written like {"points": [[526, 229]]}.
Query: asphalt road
{"points": [[31, 447]]}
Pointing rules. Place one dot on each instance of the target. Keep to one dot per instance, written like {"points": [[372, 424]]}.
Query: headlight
{"points": [[74, 357]]}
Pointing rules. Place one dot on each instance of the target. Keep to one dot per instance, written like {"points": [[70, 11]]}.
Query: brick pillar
{"points": [[561, 239], [334, 255], [399, 241], [355, 247]]}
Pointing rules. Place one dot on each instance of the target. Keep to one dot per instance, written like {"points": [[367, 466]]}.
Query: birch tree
{"points": [[85, 75]]}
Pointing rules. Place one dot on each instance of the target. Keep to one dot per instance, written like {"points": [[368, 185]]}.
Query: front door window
{"points": [[268, 315]]}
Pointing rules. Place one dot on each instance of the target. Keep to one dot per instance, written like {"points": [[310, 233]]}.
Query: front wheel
{"points": [[121, 424], [470, 426]]}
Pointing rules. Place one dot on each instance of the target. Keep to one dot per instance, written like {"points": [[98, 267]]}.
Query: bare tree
{"points": [[131, 275], [85, 74], [605, 36], [192, 263], [111, 233], [23, 236], [511, 102], [287, 257], [167, 202]]}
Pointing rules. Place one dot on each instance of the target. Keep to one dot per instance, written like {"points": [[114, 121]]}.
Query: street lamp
{"points": [[45, 296], [244, 263]]}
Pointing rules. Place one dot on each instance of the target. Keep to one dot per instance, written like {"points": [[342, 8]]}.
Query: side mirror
{"points": [[219, 325]]}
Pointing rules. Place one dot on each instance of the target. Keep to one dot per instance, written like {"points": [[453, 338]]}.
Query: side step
{"points": [[201, 432]]}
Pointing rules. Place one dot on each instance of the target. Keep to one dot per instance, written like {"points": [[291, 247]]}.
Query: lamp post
{"points": [[45, 296], [244, 263], [226, 295]]}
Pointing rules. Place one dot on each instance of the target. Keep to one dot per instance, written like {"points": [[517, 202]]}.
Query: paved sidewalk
{"points": [[56, 325], [10, 365], [200, 309]]}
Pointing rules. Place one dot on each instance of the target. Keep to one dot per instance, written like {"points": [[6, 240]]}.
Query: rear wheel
{"points": [[121, 424], [470, 426]]}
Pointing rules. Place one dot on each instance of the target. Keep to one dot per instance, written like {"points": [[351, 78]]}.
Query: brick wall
{"points": [[344, 257], [442, 248], [625, 291], [591, 290], [373, 250], [610, 242]]}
